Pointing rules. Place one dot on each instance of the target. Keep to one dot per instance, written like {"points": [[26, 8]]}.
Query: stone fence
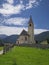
{"points": [[7, 48], [43, 46]]}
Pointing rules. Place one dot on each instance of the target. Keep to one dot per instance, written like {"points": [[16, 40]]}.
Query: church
{"points": [[27, 37]]}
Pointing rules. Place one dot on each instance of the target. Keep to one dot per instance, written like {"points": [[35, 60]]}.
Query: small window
{"points": [[18, 42], [25, 38], [29, 24]]}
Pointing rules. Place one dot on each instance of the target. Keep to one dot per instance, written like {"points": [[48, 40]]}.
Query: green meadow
{"points": [[25, 56], [1, 48]]}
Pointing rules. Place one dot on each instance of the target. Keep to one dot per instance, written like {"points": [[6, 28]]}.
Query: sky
{"points": [[15, 15]]}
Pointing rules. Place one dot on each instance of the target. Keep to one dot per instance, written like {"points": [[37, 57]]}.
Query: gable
{"points": [[24, 33]]}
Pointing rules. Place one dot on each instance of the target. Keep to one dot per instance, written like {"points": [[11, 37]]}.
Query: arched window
{"points": [[29, 24], [18, 42], [25, 38]]}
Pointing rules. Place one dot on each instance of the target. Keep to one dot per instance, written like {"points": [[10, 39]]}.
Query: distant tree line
{"points": [[48, 41], [1, 42]]}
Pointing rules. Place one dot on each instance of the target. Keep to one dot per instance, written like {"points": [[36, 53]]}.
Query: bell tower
{"points": [[31, 31]]}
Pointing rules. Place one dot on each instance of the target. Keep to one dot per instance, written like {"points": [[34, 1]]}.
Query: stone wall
{"points": [[22, 40], [43, 46]]}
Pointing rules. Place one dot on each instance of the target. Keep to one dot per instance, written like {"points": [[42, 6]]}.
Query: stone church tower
{"points": [[27, 37], [31, 31]]}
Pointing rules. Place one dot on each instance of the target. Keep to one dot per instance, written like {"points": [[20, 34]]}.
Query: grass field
{"points": [[1, 48], [25, 56]]}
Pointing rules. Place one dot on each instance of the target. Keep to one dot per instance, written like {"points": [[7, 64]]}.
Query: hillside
{"points": [[11, 39], [42, 36], [2, 36], [25, 56]]}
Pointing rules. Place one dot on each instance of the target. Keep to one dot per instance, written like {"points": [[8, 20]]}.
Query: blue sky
{"points": [[15, 14]]}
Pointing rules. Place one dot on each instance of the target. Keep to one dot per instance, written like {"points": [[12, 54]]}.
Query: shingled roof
{"points": [[24, 33]]}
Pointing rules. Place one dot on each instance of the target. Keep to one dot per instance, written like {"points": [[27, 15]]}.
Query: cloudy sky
{"points": [[15, 14]]}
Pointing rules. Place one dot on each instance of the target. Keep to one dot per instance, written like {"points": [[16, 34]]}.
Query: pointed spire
{"points": [[30, 20], [30, 17]]}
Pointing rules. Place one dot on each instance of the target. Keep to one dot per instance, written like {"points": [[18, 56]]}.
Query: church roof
{"points": [[24, 33]]}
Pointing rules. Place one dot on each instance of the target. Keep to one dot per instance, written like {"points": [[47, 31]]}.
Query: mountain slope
{"points": [[11, 39], [2, 36], [42, 36]]}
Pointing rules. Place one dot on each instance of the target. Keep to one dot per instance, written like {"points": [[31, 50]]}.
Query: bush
{"points": [[48, 41]]}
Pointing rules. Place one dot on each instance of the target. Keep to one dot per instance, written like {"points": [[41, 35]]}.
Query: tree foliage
{"points": [[48, 41]]}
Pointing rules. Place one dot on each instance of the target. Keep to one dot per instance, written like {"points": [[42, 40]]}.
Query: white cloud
{"points": [[10, 1], [21, 1], [38, 31], [15, 21], [17, 30], [11, 30], [31, 4], [9, 8]]}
